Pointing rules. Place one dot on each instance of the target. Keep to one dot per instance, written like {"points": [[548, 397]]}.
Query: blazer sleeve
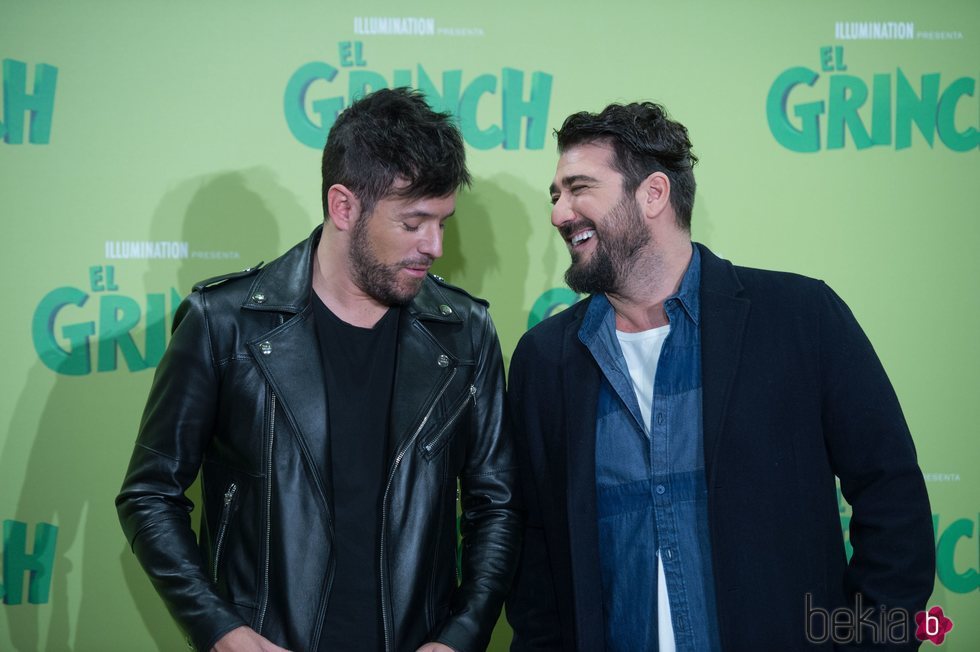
{"points": [[152, 505], [872, 453]]}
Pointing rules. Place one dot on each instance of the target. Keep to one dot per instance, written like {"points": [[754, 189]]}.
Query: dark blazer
{"points": [[793, 394]]}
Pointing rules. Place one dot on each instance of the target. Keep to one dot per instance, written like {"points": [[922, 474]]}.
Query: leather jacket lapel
{"points": [[290, 359], [423, 366], [289, 355]]}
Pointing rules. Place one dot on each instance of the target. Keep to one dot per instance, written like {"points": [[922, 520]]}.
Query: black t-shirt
{"points": [[358, 366]]}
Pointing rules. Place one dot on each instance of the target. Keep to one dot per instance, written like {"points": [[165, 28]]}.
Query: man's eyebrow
{"points": [[421, 213]]}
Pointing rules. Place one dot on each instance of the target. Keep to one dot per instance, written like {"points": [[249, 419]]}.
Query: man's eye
{"points": [[410, 227], [576, 189], [554, 199]]}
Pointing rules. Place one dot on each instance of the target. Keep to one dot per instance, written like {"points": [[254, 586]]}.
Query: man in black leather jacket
{"points": [[332, 401]]}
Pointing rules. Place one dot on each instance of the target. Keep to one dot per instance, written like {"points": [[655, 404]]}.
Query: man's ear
{"points": [[343, 207], [653, 194]]}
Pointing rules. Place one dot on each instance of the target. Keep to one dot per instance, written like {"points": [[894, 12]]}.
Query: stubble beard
{"points": [[621, 239], [373, 277]]}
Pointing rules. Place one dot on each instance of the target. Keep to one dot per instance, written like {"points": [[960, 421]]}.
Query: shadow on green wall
{"points": [[79, 430], [486, 249]]}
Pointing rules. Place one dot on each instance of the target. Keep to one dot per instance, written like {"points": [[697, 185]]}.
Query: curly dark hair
{"points": [[645, 140], [393, 134]]}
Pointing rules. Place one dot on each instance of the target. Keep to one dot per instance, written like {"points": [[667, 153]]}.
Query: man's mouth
{"points": [[580, 237], [417, 268]]}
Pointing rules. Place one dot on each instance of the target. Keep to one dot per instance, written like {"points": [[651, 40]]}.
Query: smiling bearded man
{"points": [[681, 429]]}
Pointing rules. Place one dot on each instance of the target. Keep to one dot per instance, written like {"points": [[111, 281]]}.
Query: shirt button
{"points": [[669, 553], [661, 489], [660, 417], [681, 622]]}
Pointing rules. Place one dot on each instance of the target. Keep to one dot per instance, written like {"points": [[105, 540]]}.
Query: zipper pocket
{"points": [[223, 527], [387, 624], [434, 444]]}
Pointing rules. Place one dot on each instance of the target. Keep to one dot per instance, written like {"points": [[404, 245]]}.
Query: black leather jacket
{"points": [[239, 395]]}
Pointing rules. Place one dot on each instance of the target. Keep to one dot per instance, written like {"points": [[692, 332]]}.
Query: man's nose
{"points": [[561, 212], [430, 243]]}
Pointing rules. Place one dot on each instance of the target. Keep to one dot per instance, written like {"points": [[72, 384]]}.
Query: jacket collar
{"points": [[285, 284]]}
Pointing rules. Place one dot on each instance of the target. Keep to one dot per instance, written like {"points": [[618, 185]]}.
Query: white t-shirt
{"points": [[642, 353]]}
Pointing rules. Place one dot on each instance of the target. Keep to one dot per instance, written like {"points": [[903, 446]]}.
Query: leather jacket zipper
{"points": [[385, 607], [223, 527], [433, 443], [268, 512]]}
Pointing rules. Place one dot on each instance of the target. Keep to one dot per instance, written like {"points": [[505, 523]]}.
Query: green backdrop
{"points": [[147, 145]]}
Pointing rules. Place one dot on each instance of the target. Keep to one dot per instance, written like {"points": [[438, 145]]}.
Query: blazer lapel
{"points": [[723, 317], [581, 378]]}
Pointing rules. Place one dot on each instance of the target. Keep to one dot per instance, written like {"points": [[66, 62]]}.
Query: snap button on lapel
{"points": [[446, 310], [265, 348], [258, 297], [443, 360]]}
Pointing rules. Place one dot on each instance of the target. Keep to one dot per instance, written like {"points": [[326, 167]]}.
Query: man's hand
{"points": [[435, 647], [245, 639]]}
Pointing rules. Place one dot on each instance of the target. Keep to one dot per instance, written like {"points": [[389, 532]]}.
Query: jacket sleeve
{"points": [[153, 506], [872, 453], [491, 518], [532, 609]]}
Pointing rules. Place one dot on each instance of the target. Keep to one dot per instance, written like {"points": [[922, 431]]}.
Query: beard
{"points": [[377, 279], [621, 239]]}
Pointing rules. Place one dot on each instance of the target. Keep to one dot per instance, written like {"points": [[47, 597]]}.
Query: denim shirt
{"points": [[650, 482]]}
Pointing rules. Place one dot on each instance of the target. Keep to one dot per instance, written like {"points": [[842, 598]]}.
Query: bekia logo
{"points": [[860, 624], [932, 625], [869, 624]]}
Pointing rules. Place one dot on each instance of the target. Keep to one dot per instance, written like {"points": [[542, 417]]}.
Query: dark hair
{"points": [[392, 134], [645, 140]]}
